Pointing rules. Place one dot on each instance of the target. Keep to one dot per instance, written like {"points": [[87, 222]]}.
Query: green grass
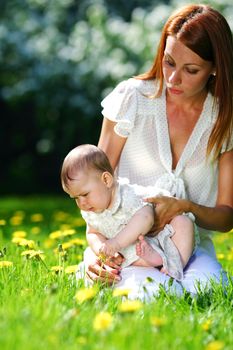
{"points": [[39, 308]]}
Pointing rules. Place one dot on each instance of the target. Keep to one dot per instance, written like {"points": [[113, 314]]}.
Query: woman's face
{"points": [[185, 73]]}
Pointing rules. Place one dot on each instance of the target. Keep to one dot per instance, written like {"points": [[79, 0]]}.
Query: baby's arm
{"points": [[94, 239], [140, 223]]}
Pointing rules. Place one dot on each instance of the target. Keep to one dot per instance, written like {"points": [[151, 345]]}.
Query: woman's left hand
{"points": [[166, 208]]}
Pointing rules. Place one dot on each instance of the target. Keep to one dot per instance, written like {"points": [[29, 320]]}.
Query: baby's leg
{"points": [[183, 237], [145, 252]]}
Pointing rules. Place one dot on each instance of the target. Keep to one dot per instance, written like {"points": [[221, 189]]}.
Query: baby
{"points": [[116, 213]]}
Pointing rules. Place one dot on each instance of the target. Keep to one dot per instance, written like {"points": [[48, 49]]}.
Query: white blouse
{"points": [[146, 158]]}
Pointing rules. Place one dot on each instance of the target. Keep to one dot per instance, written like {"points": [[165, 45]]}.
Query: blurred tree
{"points": [[59, 58]]}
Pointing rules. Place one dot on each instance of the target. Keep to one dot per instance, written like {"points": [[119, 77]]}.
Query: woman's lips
{"points": [[175, 91]]}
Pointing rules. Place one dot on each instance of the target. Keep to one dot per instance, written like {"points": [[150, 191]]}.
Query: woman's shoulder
{"points": [[141, 86]]}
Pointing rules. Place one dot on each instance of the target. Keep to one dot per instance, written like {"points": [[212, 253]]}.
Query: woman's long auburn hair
{"points": [[206, 32]]}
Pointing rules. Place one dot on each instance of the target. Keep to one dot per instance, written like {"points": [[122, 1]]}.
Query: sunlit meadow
{"points": [[43, 306]]}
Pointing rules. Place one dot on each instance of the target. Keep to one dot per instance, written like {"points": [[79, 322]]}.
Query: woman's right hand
{"points": [[107, 272]]}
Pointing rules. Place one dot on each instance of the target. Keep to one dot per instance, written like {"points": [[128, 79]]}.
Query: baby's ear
{"points": [[107, 178]]}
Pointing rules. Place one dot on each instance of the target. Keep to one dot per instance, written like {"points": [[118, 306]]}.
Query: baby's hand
{"points": [[109, 248]]}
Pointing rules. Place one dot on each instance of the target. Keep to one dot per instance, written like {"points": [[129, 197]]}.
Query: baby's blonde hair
{"points": [[83, 157]]}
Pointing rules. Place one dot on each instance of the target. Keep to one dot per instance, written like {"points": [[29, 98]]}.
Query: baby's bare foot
{"points": [[147, 253]]}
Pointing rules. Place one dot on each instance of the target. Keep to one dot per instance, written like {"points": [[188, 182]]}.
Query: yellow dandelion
{"points": [[120, 292], [86, 294], [5, 263], [30, 254], [17, 240], [220, 256], [20, 213], [60, 216], [57, 269], [206, 325], [67, 245], [27, 243], [37, 217], [19, 234], [16, 220], [56, 235], [79, 257], [48, 243], [158, 321], [78, 241], [65, 227], [102, 321], [78, 222], [35, 230], [230, 256], [2, 222], [215, 345], [59, 234], [130, 306], [68, 232], [71, 269]]}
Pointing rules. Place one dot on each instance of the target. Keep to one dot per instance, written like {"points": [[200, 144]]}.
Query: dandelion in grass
{"points": [[158, 321], [220, 256], [71, 269], [215, 345], [206, 325], [56, 235], [23, 242], [29, 243], [35, 230], [78, 242], [120, 292], [5, 264], [230, 256], [79, 257], [33, 254], [67, 245], [48, 243], [19, 234], [102, 321], [60, 234], [65, 227], [2, 222], [130, 306], [37, 217], [85, 294], [78, 222], [60, 216], [57, 269], [16, 220]]}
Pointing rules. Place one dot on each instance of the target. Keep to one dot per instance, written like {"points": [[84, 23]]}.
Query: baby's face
{"points": [[90, 191]]}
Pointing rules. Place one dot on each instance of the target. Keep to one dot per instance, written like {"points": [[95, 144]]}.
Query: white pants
{"points": [[145, 282]]}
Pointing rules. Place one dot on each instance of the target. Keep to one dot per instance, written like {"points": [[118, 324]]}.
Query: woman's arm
{"points": [[140, 223], [111, 143], [218, 218]]}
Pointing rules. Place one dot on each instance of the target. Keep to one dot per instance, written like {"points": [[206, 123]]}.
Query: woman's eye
{"points": [[169, 63], [191, 71]]}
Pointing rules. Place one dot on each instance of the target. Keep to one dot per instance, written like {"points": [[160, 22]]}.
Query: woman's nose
{"points": [[175, 78]]}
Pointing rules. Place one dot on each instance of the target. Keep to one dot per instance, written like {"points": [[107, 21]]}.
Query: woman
{"points": [[173, 126]]}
